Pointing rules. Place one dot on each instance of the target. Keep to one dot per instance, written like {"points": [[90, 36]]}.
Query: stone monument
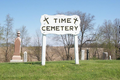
{"points": [[16, 56]]}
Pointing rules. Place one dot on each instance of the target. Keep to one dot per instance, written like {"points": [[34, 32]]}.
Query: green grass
{"points": [[62, 70]]}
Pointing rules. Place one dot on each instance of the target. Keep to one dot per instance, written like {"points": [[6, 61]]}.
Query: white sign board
{"points": [[60, 24]]}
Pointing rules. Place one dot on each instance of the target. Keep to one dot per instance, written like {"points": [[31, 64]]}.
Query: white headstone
{"points": [[110, 57], [25, 56], [82, 54]]}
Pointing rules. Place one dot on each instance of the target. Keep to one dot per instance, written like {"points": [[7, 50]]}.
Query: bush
{"points": [[94, 58], [118, 58]]}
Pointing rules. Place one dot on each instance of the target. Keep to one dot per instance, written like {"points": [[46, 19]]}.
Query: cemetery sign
{"points": [[60, 24]]}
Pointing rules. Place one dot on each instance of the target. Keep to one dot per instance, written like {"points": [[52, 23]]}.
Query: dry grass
{"points": [[54, 53]]}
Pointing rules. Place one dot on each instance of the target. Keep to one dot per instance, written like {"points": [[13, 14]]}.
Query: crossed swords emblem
{"points": [[46, 19]]}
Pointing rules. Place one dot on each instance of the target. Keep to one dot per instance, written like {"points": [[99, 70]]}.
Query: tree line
{"points": [[106, 36]]}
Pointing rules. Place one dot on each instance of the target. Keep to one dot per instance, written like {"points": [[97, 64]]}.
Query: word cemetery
{"points": [[60, 24], [59, 28]]}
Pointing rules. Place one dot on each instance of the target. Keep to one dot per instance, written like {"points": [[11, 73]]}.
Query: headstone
{"points": [[16, 56], [105, 55], [25, 56], [82, 54], [71, 57], [87, 54], [110, 57]]}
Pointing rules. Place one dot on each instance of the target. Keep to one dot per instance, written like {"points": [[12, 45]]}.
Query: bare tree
{"points": [[116, 35], [37, 45], [60, 52], [1, 32], [1, 38], [49, 55], [106, 32], [8, 34], [108, 36], [68, 42], [86, 25]]}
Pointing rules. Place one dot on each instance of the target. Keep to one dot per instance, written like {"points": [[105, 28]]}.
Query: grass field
{"points": [[62, 70]]}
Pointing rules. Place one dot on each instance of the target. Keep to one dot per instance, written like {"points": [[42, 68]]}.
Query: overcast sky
{"points": [[28, 12]]}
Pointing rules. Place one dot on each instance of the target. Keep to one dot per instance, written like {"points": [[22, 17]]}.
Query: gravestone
{"points": [[110, 57], [25, 56], [16, 56], [87, 54], [105, 55], [82, 54]]}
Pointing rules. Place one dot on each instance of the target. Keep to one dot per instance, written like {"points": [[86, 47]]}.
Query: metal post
{"points": [[87, 54], [43, 48]]}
